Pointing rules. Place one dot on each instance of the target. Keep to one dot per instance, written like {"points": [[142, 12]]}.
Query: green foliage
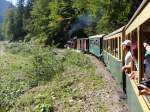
{"points": [[24, 67], [1, 34], [14, 79], [20, 48], [51, 21], [77, 59], [115, 14], [34, 77], [43, 108], [8, 25], [46, 65]]}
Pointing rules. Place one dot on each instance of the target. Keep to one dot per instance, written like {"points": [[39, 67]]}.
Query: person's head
{"points": [[126, 45], [134, 51]]}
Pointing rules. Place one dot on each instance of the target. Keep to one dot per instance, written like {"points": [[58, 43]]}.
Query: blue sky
{"points": [[13, 1]]}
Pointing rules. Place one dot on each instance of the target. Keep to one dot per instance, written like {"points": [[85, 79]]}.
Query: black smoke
{"points": [[80, 23]]}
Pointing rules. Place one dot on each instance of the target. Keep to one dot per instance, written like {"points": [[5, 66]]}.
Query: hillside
{"points": [[40, 79], [3, 6]]}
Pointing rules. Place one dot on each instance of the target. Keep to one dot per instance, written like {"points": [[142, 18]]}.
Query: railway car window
{"points": [[94, 43], [119, 48], [145, 35], [97, 42], [111, 46], [110, 49], [104, 44], [116, 47], [129, 37], [134, 36], [137, 52], [108, 45]]}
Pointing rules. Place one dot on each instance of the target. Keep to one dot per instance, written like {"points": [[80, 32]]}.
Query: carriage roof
{"points": [[97, 36], [115, 32]]}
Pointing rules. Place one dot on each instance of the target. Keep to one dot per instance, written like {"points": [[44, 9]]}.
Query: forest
{"points": [[57, 21]]}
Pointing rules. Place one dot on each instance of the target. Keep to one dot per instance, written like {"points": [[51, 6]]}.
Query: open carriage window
{"points": [[145, 35], [110, 48], [113, 47], [105, 45], [134, 36], [109, 45], [141, 55], [116, 47], [119, 48]]}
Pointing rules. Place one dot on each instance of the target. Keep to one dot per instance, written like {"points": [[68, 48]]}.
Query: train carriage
{"points": [[109, 47], [96, 45], [112, 53], [138, 30], [83, 44]]}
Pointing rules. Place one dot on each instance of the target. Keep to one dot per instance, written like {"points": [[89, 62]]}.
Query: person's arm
{"points": [[127, 68], [145, 91]]}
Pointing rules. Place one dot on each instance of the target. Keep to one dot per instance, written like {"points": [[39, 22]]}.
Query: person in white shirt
{"points": [[128, 56]]}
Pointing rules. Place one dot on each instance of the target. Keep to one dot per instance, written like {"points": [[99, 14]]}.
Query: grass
{"points": [[46, 80]]}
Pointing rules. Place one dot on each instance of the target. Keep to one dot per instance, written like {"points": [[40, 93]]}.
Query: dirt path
{"points": [[112, 92]]}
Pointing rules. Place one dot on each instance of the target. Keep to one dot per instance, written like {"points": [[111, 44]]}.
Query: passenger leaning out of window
{"points": [[134, 52], [145, 84], [128, 57], [134, 62]]}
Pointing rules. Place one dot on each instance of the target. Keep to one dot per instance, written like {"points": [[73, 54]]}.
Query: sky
{"points": [[13, 1]]}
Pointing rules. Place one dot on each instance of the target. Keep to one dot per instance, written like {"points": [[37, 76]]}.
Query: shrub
{"points": [[20, 48], [77, 59], [46, 64]]}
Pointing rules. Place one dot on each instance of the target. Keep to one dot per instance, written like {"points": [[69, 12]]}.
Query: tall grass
{"points": [[34, 77], [23, 67]]}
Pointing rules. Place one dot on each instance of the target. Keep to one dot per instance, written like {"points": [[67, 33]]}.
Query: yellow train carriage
{"points": [[138, 30], [112, 54]]}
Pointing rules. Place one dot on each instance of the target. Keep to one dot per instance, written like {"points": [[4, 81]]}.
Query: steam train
{"points": [[108, 48]]}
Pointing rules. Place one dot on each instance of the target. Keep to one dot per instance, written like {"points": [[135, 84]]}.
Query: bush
{"points": [[46, 64], [77, 59], [20, 48]]}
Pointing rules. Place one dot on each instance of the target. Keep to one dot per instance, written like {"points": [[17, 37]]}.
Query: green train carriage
{"points": [[96, 45], [138, 30], [109, 47], [112, 54]]}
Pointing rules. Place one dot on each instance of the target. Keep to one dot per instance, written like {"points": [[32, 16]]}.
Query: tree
{"points": [[8, 26], [19, 19], [115, 14], [56, 21]]}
